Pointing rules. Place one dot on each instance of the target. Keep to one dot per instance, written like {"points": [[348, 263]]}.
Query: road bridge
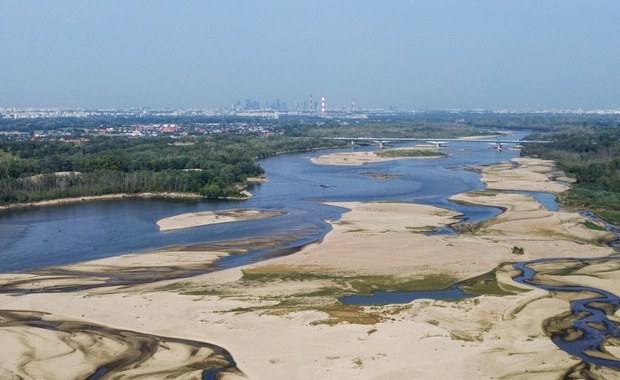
{"points": [[438, 142]]}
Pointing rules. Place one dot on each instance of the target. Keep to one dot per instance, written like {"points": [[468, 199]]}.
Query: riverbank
{"points": [[62, 201], [244, 194], [149, 195], [281, 318]]}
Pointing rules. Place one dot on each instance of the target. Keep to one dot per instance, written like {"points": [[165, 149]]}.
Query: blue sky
{"points": [[411, 54]]}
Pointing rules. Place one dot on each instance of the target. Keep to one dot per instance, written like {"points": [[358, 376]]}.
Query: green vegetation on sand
{"points": [[404, 153]]}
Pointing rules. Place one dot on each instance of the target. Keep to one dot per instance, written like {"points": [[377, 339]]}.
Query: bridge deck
{"points": [[435, 140]]}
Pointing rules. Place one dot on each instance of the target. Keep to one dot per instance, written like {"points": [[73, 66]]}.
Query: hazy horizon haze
{"points": [[410, 54]]}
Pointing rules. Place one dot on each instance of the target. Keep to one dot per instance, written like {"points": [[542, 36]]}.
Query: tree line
{"points": [[592, 156], [213, 166]]}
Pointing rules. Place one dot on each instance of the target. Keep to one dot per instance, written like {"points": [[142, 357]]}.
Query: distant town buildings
{"points": [[251, 108], [20, 124]]}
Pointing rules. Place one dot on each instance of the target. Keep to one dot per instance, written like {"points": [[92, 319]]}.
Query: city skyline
{"points": [[407, 55]]}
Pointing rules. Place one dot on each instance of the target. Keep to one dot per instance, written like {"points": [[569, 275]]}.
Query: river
{"points": [[71, 233], [62, 234]]}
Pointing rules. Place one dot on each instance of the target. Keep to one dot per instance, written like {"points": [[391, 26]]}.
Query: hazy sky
{"points": [[411, 54]]}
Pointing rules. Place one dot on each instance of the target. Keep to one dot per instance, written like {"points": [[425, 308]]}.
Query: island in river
{"points": [[283, 318], [204, 218], [361, 158]]}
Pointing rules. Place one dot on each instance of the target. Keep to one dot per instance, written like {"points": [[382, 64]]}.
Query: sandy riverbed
{"points": [[280, 318]]}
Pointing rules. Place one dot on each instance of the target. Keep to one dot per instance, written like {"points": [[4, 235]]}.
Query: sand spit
{"points": [[204, 218], [281, 319], [361, 158], [525, 173]]}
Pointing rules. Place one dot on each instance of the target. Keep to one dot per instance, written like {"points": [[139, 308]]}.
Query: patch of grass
{"points": [[487, 284], [357, 284], [328, 291], [482, 193], [368, 284], [339, 313], [282, 273], [594, 226], [423, 229], [518, 250], [464, 336], [611, 216], [356, 230], [468, 228], [404, 153]]}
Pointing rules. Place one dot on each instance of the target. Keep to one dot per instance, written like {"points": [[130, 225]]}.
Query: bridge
{"points": [[499, 143]]}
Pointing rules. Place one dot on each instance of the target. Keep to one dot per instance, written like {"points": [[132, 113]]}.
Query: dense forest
{"points": [[213, 166], [592, 156]]}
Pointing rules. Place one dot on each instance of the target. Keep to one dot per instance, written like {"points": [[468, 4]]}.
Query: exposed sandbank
{"points": [[280, 318], [204, 218], [361, 158], [530, 174]]}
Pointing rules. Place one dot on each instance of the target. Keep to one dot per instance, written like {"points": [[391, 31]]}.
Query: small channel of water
{"points": [[590, 317], [396, 297]]}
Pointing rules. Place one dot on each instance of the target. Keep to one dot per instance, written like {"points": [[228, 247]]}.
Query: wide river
{"points": [[46, 236]]}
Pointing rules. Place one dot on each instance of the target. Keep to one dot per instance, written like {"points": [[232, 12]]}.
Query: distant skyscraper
{"points": [[322, 105]]}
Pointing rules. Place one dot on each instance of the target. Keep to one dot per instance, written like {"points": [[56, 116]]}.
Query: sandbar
{"points": [[204, 218], [525, 173], [281, 319], [361, 158]]}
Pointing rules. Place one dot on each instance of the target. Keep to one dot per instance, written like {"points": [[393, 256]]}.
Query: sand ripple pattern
{"points": [[91, 351]]}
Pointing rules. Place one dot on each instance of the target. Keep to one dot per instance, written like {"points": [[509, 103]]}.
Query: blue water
{"points": [[592, 320], [547, 200], [387, 298], [62, 234]]}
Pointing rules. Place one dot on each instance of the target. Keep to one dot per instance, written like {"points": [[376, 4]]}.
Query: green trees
{"points": [[213, 166], [592, 156]]}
